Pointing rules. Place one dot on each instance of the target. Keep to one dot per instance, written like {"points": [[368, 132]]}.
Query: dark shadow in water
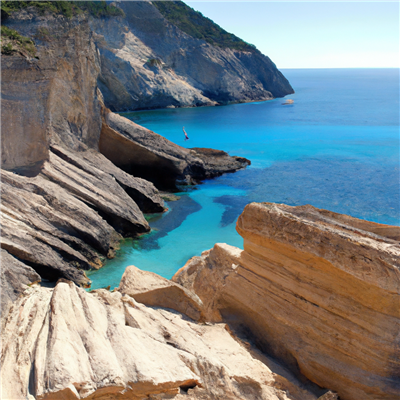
{"points": [[234, 205], [360, 189], [162, 224]]}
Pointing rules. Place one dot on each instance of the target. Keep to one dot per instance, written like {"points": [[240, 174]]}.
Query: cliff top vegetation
{"points": [[13, 42], [195, 24], [66, 8]]}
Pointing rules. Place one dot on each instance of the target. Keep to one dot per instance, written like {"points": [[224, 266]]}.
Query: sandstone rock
{"points": [[315, 289], [329, 396], [144, 153], [153, 290], [15, 276], [67, 343]]}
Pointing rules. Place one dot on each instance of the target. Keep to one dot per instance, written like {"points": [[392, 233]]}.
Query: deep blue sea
{"points": [[336, 147]]}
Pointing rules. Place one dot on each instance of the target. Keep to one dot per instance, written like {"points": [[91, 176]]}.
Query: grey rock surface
{"points": [[147, 62], [68, 218], [142, 192], [15, 276], [51, 99], [149, 155], [100, 192]]}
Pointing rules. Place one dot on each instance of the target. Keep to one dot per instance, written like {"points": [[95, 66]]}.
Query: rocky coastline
{"points": [[309, 310], [310, 304]]}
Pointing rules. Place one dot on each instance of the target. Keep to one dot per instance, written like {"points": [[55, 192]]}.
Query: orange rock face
{"points": [[318, 290]]}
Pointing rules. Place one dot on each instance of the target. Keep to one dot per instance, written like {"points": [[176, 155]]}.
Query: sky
{"points": [[300, 34]]}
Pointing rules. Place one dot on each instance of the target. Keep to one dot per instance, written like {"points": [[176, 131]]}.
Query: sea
{"points": [[336, 147]]}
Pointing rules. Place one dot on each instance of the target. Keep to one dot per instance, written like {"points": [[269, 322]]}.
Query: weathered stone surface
{"points": [[144, 153], [144, 193], [15, 276], [52, 98], [47, 227], [153, 290], [329, 396], [100, 191], [218, 162], [147, 62], [319, 290], [67, 343]]}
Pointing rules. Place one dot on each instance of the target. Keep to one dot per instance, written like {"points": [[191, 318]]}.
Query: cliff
{"points": [[65, 205], [147, 61], [315, 289]]}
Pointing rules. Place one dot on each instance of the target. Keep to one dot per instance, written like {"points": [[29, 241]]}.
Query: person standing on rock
{"points": [[186, 136]]}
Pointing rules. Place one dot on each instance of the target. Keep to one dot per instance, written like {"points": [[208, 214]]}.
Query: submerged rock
{"points": [[318, 290]]}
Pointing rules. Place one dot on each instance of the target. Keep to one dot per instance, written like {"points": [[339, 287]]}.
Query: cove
{"points": [[336, 147]]}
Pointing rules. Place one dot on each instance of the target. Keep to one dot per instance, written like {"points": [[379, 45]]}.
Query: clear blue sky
{"points": [[321, 34]]}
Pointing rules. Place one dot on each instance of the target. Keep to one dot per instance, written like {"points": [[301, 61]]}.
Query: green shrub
{"points": [[7, 49], [196, 25], [66, 8], [154, 62], [17, 39]]}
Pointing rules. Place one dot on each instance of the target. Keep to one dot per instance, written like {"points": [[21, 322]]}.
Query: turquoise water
{"points": [[336, 147]]}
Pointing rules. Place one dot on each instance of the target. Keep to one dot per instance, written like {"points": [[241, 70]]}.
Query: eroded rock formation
{"points": [[316, 289], [64, 204], [147, 62], [67, 343]]}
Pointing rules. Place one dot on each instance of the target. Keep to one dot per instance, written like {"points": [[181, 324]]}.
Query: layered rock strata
{"points": [[72, 215], [316, 289], [67, 343]]}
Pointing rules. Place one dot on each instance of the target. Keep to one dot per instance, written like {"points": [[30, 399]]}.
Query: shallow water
{"points": [[336, 147]]}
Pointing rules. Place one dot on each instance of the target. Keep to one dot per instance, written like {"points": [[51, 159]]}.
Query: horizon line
{"points": [[338, 67]]}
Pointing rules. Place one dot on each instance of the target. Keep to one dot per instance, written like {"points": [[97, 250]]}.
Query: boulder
{"points": [[67, 343], [318, 290], [153, 290]]}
